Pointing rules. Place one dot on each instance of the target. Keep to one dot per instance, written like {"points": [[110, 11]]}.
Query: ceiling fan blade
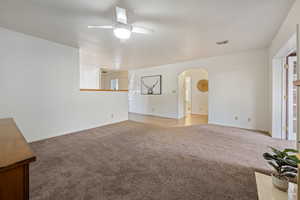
{"points": [[121, 15], [142, 30], [103, 27]]}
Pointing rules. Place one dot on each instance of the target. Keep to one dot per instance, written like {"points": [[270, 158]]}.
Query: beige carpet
{"points": [[135, 161]]}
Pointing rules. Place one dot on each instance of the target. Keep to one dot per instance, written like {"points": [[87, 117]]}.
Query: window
{"points": [[114, 84]]}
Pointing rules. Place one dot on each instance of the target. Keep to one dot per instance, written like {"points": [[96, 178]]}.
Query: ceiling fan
{"points": [[121, 28]]}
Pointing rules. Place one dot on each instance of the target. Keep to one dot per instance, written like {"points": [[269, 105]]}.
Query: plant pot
{"points": [[282, 183]]}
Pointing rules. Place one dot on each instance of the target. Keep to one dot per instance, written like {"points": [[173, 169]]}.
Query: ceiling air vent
{"points": [[223, 42]]}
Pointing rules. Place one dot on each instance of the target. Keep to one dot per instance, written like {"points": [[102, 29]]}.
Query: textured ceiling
{"points": [[184, 29]]}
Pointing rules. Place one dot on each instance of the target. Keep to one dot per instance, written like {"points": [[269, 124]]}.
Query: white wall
{"points": [[277, 96], [279, 44], [287, 29], [39, 87], [89, 70], [89, 77], [238, 86]]}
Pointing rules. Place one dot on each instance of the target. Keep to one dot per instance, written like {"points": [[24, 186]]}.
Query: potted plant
{"points": [[285, 163]]}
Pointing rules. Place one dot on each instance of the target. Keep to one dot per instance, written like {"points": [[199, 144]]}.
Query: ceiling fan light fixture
{"points": [[122, 33], [121, 29]]}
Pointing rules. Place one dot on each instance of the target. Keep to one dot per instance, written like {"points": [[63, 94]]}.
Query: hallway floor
{"points": [[169, 122]]}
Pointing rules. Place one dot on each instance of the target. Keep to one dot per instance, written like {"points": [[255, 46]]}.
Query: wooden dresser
{"points": [[15, 156]]}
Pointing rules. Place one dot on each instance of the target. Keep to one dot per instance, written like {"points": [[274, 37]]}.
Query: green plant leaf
{"points": [[294, 158], [278, 152], [289, 174], [290, 151], [288, 168], [281, 162], [291, 162], [268, 156], [274, 165]]}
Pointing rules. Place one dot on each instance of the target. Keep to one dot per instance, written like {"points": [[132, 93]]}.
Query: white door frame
{"points": [[278, 112], [287, 98], [291, 134], [187, 87]]}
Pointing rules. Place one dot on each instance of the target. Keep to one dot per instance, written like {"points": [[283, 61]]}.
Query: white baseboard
{"points": [[237, 126]]}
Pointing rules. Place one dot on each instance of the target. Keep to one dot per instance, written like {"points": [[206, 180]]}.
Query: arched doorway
{"points": [[193, 94]]}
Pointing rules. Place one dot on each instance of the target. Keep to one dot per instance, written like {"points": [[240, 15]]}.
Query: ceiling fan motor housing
{"points": [[124, 26]]}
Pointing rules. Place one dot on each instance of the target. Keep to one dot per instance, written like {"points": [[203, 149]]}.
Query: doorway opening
{"points": [[193, 95]]}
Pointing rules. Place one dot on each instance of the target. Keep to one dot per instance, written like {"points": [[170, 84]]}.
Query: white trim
{"points": [[298, 88]]}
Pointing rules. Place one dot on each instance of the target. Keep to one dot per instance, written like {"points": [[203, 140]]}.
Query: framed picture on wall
{"points": [[151, 85]]}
